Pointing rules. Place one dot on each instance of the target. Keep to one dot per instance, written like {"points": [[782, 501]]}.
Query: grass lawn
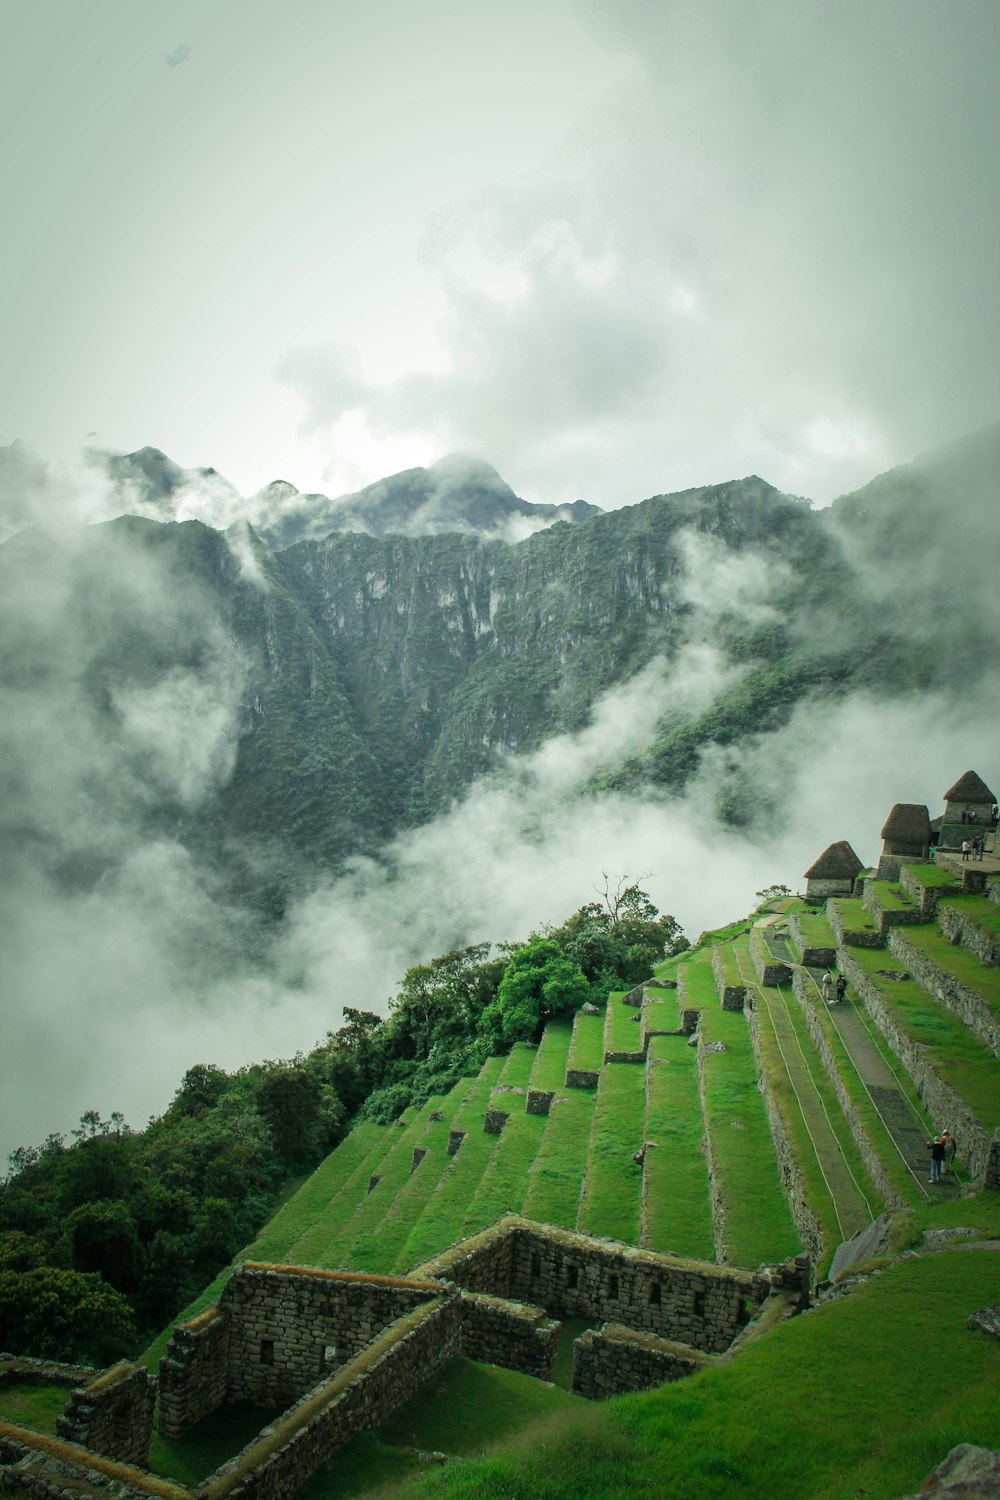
{"points": [[465, 1410], [934, 877], [553, 1194], [518, 1065], [953, 1051], [34, 1406], [678, 1214], [586, 1052], [661, 1012], [549, 1071], [979, 910], [697, 983], [611, 1202], [841, 1403], [890, 895], [206, 1445], [815, 929], [758, 1222]]}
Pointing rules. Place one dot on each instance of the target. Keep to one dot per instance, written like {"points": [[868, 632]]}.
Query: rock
{"points": [[590, 1010], [716, 1047], [988, 1319], [968, 1473], [935, 1239]]}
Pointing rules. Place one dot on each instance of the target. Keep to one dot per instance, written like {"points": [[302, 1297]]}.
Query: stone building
{"points": [[969, 801], [834, 873], [906, 838]]}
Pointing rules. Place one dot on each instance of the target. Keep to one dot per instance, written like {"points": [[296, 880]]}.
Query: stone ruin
{"points": [[341, 1350]]}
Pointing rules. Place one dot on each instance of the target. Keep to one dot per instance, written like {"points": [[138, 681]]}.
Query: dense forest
{"points": [[105, 1237]]}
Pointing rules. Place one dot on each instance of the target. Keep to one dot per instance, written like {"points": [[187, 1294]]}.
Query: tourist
{"points": [[827, 982], [937, 1150], [841, 987], [966, 846], [950, 1147]]}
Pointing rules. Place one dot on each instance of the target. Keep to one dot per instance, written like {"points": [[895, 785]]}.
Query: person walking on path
{"points": [[841, 988], [950, 1147], [966, 846], [827, 982], [937, 1150]]}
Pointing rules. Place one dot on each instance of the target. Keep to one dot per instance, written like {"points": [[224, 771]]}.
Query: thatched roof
{"points": [[908, 823], [837, 862], [969, 788]]}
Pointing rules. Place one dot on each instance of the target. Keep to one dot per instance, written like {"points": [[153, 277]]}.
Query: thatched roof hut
{"points": [[837, 862], [907, 828], [970, 788]]}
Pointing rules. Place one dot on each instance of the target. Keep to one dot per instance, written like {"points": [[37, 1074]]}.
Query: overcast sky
{"points": [[615, 247]]}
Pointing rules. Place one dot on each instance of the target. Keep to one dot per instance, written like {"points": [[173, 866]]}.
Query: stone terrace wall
{"points": [[362, 1395], [113, 1415], [733, 996], [574, 1275], [945, 1107], [616, 1359], [52, 1469], [959, 997], [856, 937], [193, 1371], [499, 1332], [291, 1325], [770, 970], [959, 928]]}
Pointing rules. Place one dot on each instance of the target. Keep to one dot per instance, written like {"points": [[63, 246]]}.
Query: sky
{"points": [[615, 248]]}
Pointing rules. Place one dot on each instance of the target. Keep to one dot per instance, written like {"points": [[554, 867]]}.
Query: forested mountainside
{"points": [[282, 710]]}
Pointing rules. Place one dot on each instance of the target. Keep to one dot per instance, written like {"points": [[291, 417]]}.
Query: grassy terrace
{"points": [[758, 1224], [816, 930], [953, 1051], [553, 1194], [549, 1071], [586, 1050], [885, 1147], [678, 1213], [959, 963], [854, 915], [377, 1242], [518, 1066], [441, 1219], [837, 1186], [698, 982], [661, 1011], [730, 968], [890, 895], [338, 1231], [622, 1025], [505, 1180], [935, 877], [611, 1201]]}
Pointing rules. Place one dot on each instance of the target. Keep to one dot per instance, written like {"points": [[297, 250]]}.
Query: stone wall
{"points": [[113, 1414], [926, 896], [857, 937], [21, 1369], [539, 1101], [361, 1396], [889, 916], [810, 955], [769, 970], [945, 1107], [612, 1360], [959, 997], [50, 1468], [959, 928], [822, 890], [193, 1371], [573, 1275], [582, 1078], [499, 1332], [733, 996], [289, 1326]]}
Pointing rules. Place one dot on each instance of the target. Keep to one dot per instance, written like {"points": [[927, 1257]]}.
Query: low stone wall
{"points": [[612, 1360], [539, 1101], [926, 896], [455, 1139], [959, 928], [512, 1334], [193, 1371], [959, 997], [856, 937], [805, 1220], [810, 955], [769, 970], [52, 1469], [945, 1107], [582, 1078], [574, 1275], [876, 1170], [626, 1057], [733, 996], [23, 1370], [113, 1414], [361, 1396], [494, 1120], [890, 916]]}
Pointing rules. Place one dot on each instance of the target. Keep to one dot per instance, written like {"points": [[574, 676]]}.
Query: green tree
{"points": [[539, 981], [55, 1313]]}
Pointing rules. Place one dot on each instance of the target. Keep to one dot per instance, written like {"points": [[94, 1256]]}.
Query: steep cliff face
{"points": [[275, 712]]}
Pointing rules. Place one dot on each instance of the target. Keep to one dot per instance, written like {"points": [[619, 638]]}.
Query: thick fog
{"points": [[125, 963]]}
